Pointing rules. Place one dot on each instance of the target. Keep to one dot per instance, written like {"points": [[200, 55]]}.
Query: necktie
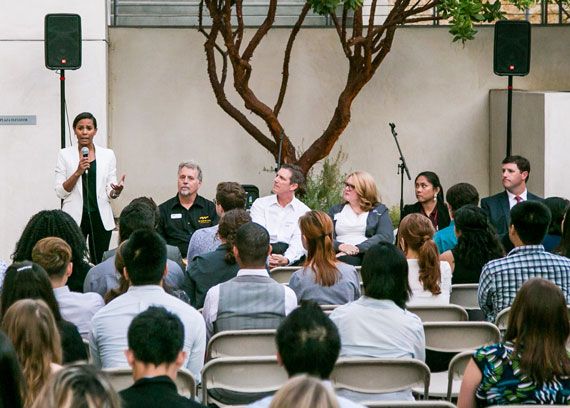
{"points": [[518, 199]]}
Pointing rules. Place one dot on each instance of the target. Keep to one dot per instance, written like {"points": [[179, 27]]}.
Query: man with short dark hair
{"points": [[229, 196], [54, 255], [144, 255], [308, 343], [187, 211], [251, 300], [104, 277], [156, 339], [501, 278], [457, 196], [515, 174], [279, 214]]}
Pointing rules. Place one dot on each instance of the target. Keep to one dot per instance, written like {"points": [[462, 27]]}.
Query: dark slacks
{"points": [[97, 236]]}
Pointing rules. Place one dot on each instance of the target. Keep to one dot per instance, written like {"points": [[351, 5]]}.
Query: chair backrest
{"points": [[282, 274], [379, 375], [465, 294], [502, 319], [456, 370], [241, 375], [440, 313], [87, 350], [242, 343], [456, 337], [409, 404], [122, 378]]}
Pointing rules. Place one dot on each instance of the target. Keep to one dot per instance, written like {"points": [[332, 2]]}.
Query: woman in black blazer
{"points": [[429, 193]]}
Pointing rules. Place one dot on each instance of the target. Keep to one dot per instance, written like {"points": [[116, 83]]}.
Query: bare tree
{"points": [[364, 43]]}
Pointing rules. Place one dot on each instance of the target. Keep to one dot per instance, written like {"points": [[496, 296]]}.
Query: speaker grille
{"points": [[512, 48], [62, 41]]}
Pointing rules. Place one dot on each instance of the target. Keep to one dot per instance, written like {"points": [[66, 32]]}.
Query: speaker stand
{"points": [[509, 115], [62, 105]]}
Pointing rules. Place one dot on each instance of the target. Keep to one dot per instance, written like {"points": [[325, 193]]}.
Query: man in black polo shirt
{"points": [[187, 211]]}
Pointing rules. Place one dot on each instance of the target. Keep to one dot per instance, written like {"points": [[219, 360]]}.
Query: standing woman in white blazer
{"points": [[86, 181]]}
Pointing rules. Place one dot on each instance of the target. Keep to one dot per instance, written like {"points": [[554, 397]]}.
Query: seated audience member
{"points": [[457, 196], [378, 324], [564, 247], [156, 338], [308, 343], [172, 251], [144, 256], [430, 278], [361, 221], [104, 277], [208, 270], [531, 366], [323, 279], [56, 223], [429, 194], [31, 326], [229, 196], [187, 211], [27, 280], [279, 213], [477, 244], [54, 255], [78, 385], [502, 278], [304, 392], [557, 207], [12, 387], [251, 300]]}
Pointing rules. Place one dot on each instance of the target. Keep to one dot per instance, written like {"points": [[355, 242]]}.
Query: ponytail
{"points": [[430, 272]]}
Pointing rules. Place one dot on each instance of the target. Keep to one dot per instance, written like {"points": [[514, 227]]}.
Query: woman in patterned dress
{"points": [[532, 365]]}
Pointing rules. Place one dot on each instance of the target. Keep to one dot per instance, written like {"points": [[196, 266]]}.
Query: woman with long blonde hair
{"points": [[32, 328], [429, 278], [323, 278], [304, 392], [361, 221]]}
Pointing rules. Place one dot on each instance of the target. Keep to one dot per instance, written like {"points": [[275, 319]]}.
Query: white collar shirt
{"points": [[512, 197], [78, 308]]}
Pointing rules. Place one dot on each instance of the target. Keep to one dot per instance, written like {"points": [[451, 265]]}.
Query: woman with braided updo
{"points": [[209, 269], [430, 279], [323, 278]]}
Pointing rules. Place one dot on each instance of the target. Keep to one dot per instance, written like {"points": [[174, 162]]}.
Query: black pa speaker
{"points": [[512, 48], [62, 37], [252, 194]]}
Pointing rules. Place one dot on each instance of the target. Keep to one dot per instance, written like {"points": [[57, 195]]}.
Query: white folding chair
{"points": [[440, 313], [242, 343], [87, 350], [282, 274], [241, 375], [455, 337], [465, 294], [379, 375], [122, 378], [455, 373], [502, 320]]}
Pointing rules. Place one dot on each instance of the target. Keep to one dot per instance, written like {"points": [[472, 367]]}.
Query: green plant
{"points": [[324, 189], [394, 212]]}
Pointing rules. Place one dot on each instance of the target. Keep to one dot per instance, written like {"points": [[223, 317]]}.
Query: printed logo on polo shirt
{"points": [[204, 219]]}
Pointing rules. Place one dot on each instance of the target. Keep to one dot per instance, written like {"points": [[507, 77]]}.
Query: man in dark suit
{"points": [[516, 171], [156, 338]]}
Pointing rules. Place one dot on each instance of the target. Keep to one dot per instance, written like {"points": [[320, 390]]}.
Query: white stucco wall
{"points": [[27, 87]]}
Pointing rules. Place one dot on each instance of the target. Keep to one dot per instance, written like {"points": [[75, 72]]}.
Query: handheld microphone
{"points": [[85, 153]]}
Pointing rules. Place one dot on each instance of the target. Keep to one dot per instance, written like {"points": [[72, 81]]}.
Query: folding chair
{"points": [[409, 404], [87, 350], [502, 320], [242, 343], [122, 378], [465, 294], [447, 338], [379, 375], [329, 308], [228, 379], [440, 313], [282, 274]]}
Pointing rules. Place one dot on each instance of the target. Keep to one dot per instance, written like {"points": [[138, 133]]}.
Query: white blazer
{"points": [[67, 162]]}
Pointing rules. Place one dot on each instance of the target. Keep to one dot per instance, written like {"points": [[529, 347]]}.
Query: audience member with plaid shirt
{"points": [[502, 278]]}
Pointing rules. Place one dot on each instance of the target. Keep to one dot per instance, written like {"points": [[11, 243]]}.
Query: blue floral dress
{"points": [[504, 384]]}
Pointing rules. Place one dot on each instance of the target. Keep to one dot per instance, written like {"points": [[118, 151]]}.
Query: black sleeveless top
{"points": [[89, 181]]}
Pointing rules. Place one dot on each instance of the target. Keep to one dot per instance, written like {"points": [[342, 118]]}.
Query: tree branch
{"points": [[262, 30], [341, 35], [287, 57]]}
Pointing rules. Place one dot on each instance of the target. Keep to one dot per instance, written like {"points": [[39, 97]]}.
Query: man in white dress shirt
{"points": [[144, 256], [279, 214], [54, 255]]}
